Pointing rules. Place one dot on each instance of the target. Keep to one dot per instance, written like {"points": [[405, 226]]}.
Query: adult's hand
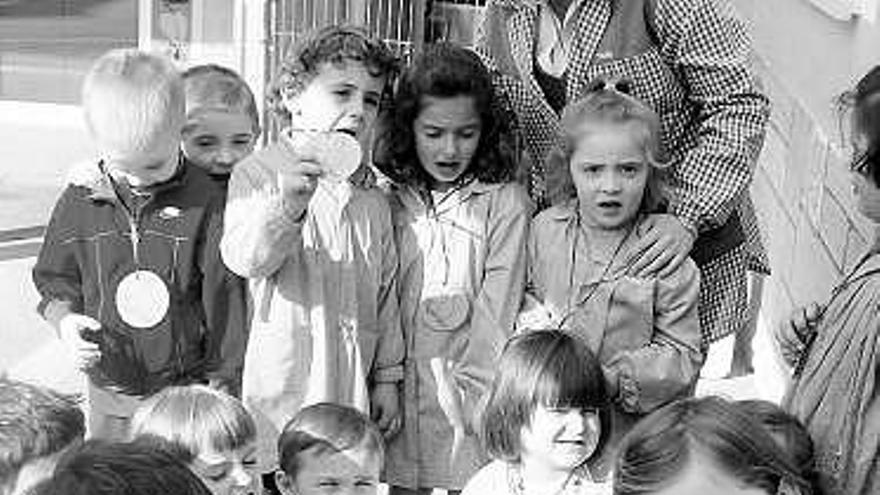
{"points": [[663, 247], [793, 333]]}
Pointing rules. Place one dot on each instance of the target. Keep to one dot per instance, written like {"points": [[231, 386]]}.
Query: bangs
{"points": [[196, 418], [566, 380], [231, 430]]}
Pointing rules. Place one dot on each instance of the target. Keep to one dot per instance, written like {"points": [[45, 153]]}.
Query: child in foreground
{"points": [[703, 446], [834, 346], [318, 250], [130, 273], [644, 330], [460, 225], [789, 434], [545, 420], [329, 448], [105, 468], [210, 431], [222, 123], [37, 427]]}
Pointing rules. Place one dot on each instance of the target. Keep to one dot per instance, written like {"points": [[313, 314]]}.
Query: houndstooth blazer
{"points": [[687, 59]]}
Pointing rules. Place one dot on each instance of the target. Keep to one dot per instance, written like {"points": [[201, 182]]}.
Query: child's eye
{"points": [[206, 141], [242, 140], [364, 483], [433, 133], [218, 477], [342, 93], [467, 133], [371, 101]]}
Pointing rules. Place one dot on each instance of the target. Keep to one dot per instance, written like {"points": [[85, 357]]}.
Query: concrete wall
{"points": [[801, 188]]}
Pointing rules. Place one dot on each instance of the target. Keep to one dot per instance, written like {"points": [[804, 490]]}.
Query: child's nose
{"points": [[226, 156], [450, 146], [610, 181]]}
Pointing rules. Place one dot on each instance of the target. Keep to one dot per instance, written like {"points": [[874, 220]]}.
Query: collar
{"points": [[94, 178], [464, 193]]}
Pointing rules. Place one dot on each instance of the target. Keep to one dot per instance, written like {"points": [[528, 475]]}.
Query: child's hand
{"points": [[663, 248], [385, 408], [792, 334], [298, 178], [74, 330]]}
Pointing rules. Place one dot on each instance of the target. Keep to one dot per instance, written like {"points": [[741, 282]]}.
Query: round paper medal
{"points": [[339, 154], [142, 299]]}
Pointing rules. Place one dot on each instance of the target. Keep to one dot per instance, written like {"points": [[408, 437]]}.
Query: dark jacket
{"points": [[88, 250]]}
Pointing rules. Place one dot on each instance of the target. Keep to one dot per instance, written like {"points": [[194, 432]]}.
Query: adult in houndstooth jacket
{"points": [[687, 59]]}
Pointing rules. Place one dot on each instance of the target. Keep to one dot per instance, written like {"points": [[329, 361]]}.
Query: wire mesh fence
{"points": [[406, 25]]}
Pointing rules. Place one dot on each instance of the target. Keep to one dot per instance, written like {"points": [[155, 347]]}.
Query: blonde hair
{"points": [[194, 417], [605, 104], [132, 100], [214, 87]]}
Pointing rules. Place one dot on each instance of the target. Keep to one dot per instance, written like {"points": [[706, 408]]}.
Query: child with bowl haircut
{"points": [[210, 431], [130, 272], [222, 122], [329, 448], [318, 249]]}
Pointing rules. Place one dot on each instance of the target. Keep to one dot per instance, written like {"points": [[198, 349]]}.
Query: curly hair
{"points": [[332, 44], [862, 104], [607, 102], [442, 70]]}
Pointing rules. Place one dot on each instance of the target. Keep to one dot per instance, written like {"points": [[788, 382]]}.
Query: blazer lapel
{"points": [[592, 21], [521, 32]]}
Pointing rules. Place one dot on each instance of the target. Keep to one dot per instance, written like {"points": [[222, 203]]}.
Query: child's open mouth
{"points": [[609, 205], [350, 132]]}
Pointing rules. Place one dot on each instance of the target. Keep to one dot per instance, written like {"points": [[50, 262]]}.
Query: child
{"points": [[789, 434], [319, 252], [545, 419], [103, 468], [213, 432], [835, 345], [37, 427], [702, 446], [222, 123], [645, 331], [130, 271], [460, 227], [329, 448]]}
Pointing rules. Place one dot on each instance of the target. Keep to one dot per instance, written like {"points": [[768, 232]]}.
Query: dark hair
{"points": [[102, 468], [540, 367], [862, 105], [212, 86], [789, 434], [326, 427], [606, 102], [442, 70], [35, 422], [336, 45], [659, 448]]}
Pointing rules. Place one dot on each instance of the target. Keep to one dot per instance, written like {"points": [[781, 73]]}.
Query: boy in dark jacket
{"points": [[130, 272]]}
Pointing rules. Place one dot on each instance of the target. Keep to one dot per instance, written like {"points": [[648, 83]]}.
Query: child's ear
{"points": [[284, 484]]}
